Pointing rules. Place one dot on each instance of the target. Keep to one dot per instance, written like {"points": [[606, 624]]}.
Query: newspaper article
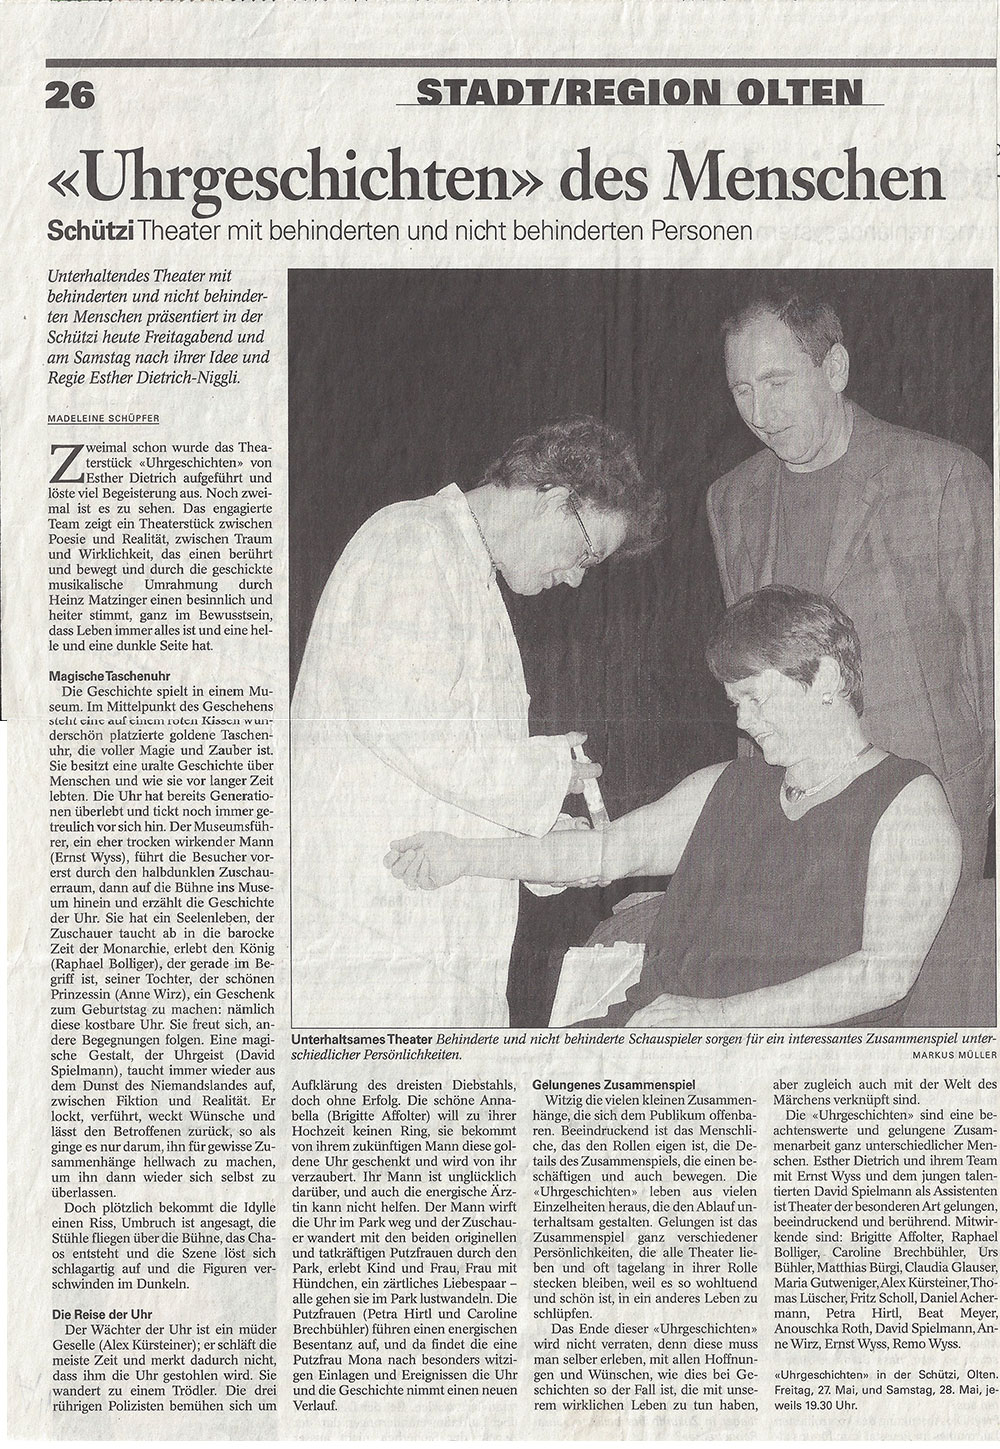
{"points": [[498, 672]]}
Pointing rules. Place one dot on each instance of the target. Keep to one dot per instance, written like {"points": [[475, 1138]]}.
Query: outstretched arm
{"points": [[913, 869], [649, 841]]}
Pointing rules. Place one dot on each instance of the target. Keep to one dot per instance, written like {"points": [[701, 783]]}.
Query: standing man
{"points": [[411, 713], [896, 526]]}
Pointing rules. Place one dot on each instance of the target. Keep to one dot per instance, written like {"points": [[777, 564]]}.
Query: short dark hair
{"points": [[596, 463], [789, 630], [814, 323]]}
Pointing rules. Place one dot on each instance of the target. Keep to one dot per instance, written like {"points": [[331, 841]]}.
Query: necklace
{"points": [[793, 793], [489, 551]]}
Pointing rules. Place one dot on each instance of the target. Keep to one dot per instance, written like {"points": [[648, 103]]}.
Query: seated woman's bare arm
{"points": [[913, 869], [652, 839], [649, 841]]}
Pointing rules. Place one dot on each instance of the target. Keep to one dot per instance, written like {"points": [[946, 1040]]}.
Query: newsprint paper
{"points": [[498, 674]]}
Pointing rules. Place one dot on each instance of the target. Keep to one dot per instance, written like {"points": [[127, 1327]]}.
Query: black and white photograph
{"points": [[641, 648]]}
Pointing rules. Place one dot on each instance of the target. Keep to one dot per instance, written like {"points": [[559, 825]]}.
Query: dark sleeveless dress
{"points": [[758, 899]]}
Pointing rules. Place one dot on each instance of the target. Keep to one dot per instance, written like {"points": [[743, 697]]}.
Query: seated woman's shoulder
{"points": [[924, 794], [919, 822]]}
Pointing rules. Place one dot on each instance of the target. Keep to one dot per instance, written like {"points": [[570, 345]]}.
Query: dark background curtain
{"points": [[402, 381]]}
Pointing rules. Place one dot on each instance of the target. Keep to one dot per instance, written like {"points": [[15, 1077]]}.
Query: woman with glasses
{"points": [[809, 880], [411, 710]]}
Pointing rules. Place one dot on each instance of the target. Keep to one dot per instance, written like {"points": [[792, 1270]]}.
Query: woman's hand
{"points": [[426, 861], [677, 1011]]}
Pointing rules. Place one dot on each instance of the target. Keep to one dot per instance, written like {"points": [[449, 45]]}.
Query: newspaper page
{"points": [[498, 676]]}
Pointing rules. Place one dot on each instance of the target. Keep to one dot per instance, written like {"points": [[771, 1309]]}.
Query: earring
{"points": [[828, 699]]}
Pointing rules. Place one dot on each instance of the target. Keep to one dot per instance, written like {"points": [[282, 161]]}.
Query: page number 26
{"points": [[62, 95]]}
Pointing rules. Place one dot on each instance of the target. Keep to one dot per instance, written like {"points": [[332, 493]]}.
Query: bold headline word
{"points": [[123, 175]]}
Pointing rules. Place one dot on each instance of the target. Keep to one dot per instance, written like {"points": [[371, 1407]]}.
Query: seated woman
{"points": [[809, 879]]}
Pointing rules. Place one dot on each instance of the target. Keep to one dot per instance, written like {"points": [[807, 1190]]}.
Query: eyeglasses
{"points": [[591, 557]]}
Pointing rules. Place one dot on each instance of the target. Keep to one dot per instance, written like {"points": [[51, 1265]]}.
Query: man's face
{"points": [[552, 547], [793, 405]]}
